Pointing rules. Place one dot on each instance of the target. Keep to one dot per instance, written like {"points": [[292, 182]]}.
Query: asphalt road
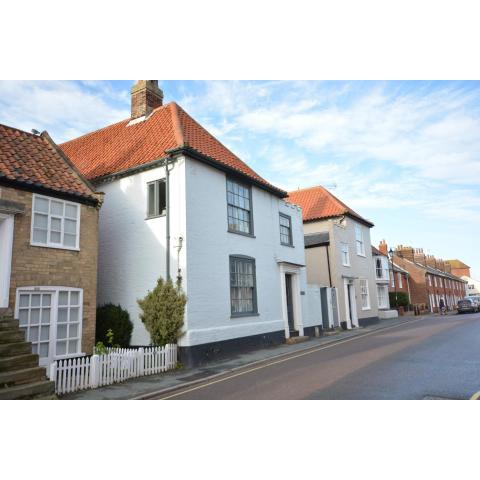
{"points": [[429, 358]]}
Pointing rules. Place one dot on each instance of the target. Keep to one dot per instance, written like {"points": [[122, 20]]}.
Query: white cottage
{"points": [[179, 203]]}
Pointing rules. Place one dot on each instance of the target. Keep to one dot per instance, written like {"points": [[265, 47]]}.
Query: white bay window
{"points": [[55, 223]]}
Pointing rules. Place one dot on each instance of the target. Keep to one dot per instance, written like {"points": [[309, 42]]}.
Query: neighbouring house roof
{"points": [[397, 268], [435, 271], [35, 162], [316, 239], [125, 145], [376, 251], [318, 203], [457, 263]]}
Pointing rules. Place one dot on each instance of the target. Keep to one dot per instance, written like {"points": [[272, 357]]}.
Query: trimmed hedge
{"points": [[117, 319], [402, 299]]}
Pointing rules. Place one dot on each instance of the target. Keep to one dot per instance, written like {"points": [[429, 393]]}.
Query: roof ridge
{"points": [[177, 125], [20, 130]]}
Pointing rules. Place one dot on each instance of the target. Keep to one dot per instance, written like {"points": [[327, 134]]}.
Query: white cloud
{"points": [[63, 108]]}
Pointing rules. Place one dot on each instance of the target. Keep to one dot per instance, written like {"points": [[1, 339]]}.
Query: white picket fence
{"points": [[118, 365]]}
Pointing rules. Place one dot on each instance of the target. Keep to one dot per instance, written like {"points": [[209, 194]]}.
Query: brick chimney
{"points": [[383, 247], [420, 257], [431, 261], [146, 96], [405, 252]]}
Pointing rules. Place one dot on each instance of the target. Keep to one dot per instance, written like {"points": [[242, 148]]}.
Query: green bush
{"points": [[162, 312], [402, 299], [114, 318]]}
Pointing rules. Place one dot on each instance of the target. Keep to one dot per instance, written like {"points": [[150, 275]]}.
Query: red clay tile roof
{"points": [[376, 251], [119, 147], [318, 203], [29, 160]]}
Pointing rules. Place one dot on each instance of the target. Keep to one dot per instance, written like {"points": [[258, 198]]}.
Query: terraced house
{"points": [[179, 204], [346, 262], [48, 268]]}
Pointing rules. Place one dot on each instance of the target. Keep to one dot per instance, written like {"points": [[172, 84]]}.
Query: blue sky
{"points": [[404, 154]]}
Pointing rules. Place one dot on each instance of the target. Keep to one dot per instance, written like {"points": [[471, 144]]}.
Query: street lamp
{"points": [[390, 254]]}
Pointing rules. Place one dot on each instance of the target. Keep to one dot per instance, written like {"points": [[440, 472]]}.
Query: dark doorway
{"points": [[289, 295], [349, 295]]}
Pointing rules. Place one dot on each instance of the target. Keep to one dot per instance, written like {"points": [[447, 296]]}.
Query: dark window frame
{"points": [[250, 210], [290, 232], [245, 259], [156, 187]]}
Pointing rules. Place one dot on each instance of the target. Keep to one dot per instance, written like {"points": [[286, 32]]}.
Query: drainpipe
{"points": [[328, 264], [167, 208]]}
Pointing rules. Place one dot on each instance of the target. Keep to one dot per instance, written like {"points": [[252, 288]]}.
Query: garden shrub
{"points": [[162, 312], [402, 299], [117, 320]]}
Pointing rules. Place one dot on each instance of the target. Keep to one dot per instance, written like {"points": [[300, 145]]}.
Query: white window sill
{"points": [[70, 355], [361, 255], [366, 308], [57, 247]]}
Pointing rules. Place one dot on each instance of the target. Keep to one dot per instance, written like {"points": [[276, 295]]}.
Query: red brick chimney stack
{"points": [[405, 252], [383, 247], [146, 96], [420, 257]]}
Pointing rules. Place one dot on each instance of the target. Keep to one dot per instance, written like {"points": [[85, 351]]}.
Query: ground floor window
{"points": [[52, 320], [243, 289], [382, 291], [364, 294]]}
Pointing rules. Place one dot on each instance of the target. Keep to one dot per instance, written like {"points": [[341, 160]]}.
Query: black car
{"points": [[467, 305]]}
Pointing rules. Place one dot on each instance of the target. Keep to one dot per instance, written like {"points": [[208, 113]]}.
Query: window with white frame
{"points": [[239, 206], [382, 291], [55, 223], [429, 280], [392, 278], [435, 281], [365, 297], [243, 288], [400, 283], [359, 240], [379, 267], [345, 254], [157, 198], [52, 320]]}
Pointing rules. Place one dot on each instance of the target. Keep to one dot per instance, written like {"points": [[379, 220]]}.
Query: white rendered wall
{"points": [[209, 246], [132, 248]]}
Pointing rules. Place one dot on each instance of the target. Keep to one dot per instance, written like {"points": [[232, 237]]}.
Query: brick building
{"points": [[49, 238], [430, 279], [398, 276]]}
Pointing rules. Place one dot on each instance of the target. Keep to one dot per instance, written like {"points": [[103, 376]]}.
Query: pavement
{"points": [[153, 386]]}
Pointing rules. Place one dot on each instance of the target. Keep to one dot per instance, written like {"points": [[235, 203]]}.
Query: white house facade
{"points": [[236, 244], [383, 273]]}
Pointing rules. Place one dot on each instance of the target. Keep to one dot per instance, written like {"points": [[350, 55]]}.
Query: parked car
{"points": [[468, 305]]}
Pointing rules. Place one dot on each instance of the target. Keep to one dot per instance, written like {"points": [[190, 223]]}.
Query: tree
{"points": [[162, 312], [117, 320]]}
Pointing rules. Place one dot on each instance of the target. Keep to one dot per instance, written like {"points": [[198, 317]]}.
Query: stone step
{"points": [[299, 339], [19, 377], [29, 390], [7, 323], [15, 348], [18, 362], [12, 336]]}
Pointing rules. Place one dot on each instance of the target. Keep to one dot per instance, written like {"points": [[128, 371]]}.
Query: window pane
{"points": [[41, 205], [63, 315], [45, 315], [46, 299], [55, 237], [69, 240], [72, 346], [40, 221], [23, 317], [162, 198], [61, 348], [56, 208], [39, 236], [74, 298], [24, 300], [70, 226], [63, 298], [35, 301], [43, 352], [151, 199], [34, 316], [74, 314], [73, 332], [33, 334], [71, 211], [61, 331], [56, 224], [44, 333]]}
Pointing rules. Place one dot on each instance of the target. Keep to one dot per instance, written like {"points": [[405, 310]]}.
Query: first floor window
{"points": [[400, 284], [359, 240], [243, 294], [382, 291], [286, 230], [365, 297], [239, 206], [51, 319], [55, 223], [157, 199], [345, 255]]}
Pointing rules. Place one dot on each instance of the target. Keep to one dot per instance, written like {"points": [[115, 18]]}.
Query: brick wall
{"points": [[42, 266], [418, 287]]}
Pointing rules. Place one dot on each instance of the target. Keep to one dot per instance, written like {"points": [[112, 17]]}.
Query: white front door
{"points": [[6, 243]]}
